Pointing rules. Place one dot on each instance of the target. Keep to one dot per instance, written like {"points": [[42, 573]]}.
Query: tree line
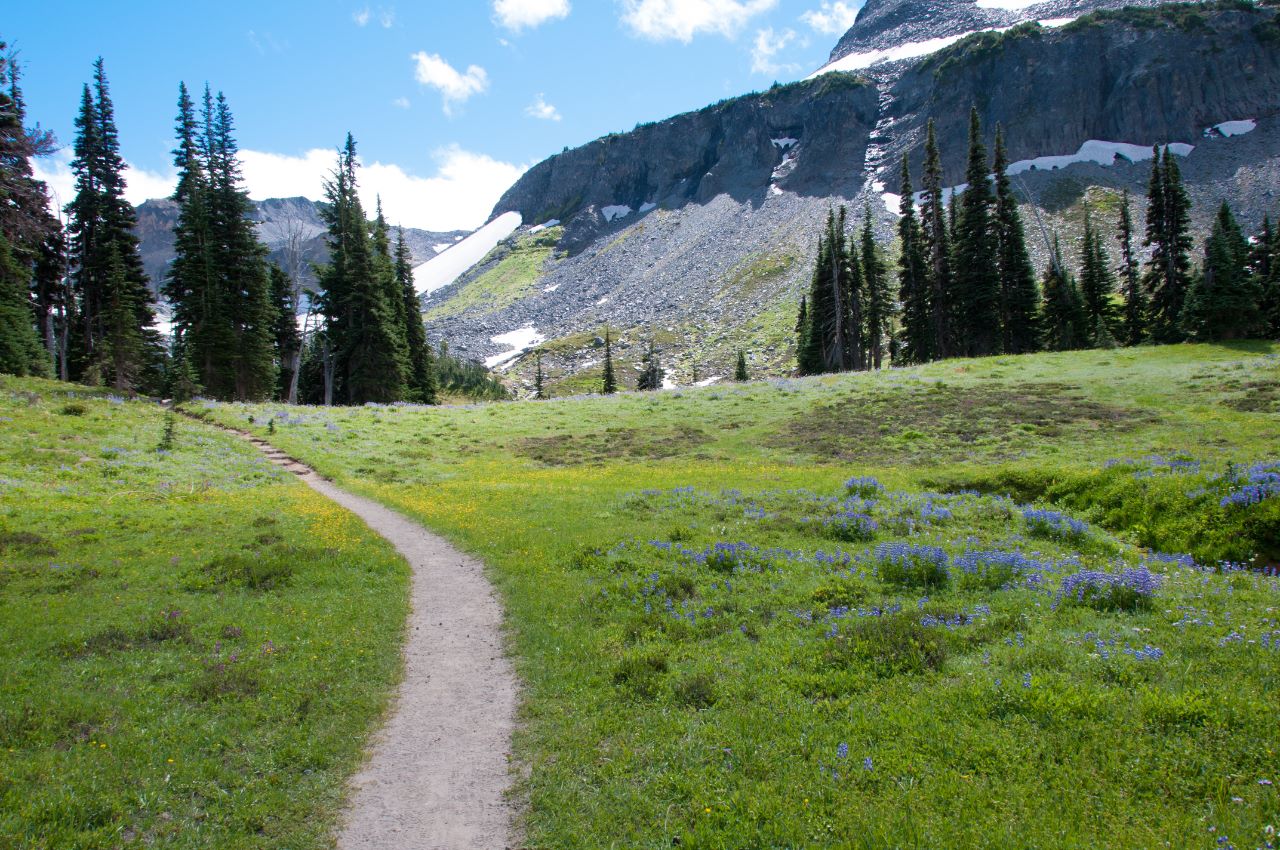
{"points": [[75, 301], [966, 286]]}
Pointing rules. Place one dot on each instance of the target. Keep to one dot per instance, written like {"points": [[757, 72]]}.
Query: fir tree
{"points": [[20, 351], [1168, 236], [651, 371], [1097, 286], [740, 372], [1064, 324], [609, 385], [913, 280], [384, 268], [1224, 300], [977, 282], [360, 331], [107, 278], [937, 244], [423, 386], [539, 380], [1266, 269], [877, 300], [804, 365], [1019, 297], [1134, 324]]}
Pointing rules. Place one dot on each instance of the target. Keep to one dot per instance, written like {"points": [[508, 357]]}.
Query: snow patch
{"points": [[518, 342], [615, 211], [774, 191], [647, 206], [1100, 152], [550, 289], [555, 222], [442, 247], [1227, 129], [669, 384], [784, 144], [447, 266], [1054, 23], [892, 202], [708, 382]]}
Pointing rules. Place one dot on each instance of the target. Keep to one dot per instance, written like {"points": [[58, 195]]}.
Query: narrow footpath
{"points": [[438, 771]]}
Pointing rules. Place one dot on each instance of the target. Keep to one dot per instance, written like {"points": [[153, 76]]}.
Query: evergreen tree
{"points": [[1097, 285], [878, 302], [1169, 237], [1134, 326], [384, 268], [937, 245], [913, 280], [108, 278], [539, 380], [30, 238], [850, 278], [1064, 323], [1266, 270], [360, 333], [977, 282], [288, 340], [423, 386], [651, 371], [804, 364], [1019, 297], [740, 372], [1224, 299], [610, 383]]}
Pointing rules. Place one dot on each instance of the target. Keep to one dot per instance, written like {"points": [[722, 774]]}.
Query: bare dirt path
{"points": [[437, 774]]}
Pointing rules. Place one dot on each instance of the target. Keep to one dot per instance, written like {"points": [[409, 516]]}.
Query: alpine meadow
{"points": [[888, 457]]}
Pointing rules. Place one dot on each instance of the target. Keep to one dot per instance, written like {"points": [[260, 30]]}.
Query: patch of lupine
{"points": [[997, 569], [863, 486], [850, 526], [911, 565], [954, 621], [1051, 523], [1126, 590], [1252, 485], [1152, 465]]}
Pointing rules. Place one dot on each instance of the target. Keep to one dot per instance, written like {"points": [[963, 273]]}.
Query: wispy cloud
{"points": [[454, 86], [401, 103], [767, 46], [833, 18], [387, 18], [266, 43], [542, 110], [361, 16], [140, 184], [517, 15], [681, 20]]}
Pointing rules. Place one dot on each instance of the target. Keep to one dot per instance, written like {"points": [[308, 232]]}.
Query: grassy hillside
{"points": [[194, 646], [820, 613]]}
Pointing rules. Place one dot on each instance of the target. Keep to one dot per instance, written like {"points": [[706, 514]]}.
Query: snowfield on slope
{"points": [[447, 266]]}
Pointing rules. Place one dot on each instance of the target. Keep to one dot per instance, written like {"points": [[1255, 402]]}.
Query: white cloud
{"points": [[833, 18], [516, 15], [768, 45], [681, 20], [361, 16], [459, 196], [140, 184], [401, 103], [456, 87], [387, 17], [541, 109]]}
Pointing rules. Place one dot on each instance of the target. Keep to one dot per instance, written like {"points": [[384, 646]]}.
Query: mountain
{"points": [[290, 228], [699, 230]]}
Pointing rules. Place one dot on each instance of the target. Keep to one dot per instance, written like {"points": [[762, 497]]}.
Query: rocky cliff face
{"points": [[699, 230], [290, 228]]}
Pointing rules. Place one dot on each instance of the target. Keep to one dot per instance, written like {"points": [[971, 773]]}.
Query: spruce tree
{"points": [[913, 280], [851, 281], [740, 372], [877, 300], [423, 385], [539, 380], [977, 282], [937, 244], [609, 385], [1134, 324], [1064, 323], [20, 351], [813, 357], [1097, 286], [359, 333], [804, 365], [1019, 296], [385, 269], [1266, 269], [1169, 237], [108, 276], [651, 371], [1224, 299]]}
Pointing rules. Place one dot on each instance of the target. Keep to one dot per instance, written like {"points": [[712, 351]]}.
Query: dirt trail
{"points": [[437, 774]]}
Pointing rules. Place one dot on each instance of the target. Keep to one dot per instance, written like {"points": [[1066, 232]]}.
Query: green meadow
{"points": [[1012, 602], [194, 646]]}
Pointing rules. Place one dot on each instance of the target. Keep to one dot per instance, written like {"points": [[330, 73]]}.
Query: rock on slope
{"points": [[699, 230]]}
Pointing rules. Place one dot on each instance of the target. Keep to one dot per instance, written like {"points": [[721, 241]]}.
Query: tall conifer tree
{"points": [[937, 245], [1225, 299], [1019, 296], [423, 384], [609, 385], [1134, 326], [1064, 324], [288, 340], [916, 345], [1097, 286], [878, 302], [1169, 237], [977, 282]]}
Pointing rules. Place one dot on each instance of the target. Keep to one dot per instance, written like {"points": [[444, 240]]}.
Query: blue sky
{"points": [[448, 101]]}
